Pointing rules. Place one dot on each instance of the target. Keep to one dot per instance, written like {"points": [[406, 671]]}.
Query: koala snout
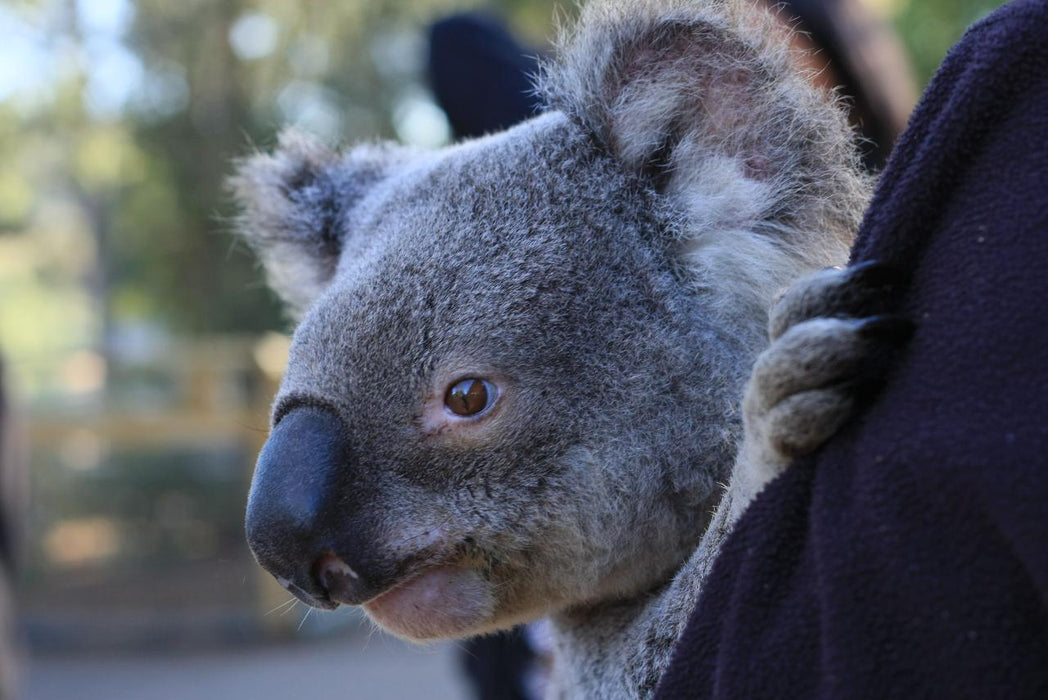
{"points": [[299, 518]]}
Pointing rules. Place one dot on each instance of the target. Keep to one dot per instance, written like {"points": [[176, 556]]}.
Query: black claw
{"points": [[886, 327], [875, 274], [866, 386], [871, 288]]}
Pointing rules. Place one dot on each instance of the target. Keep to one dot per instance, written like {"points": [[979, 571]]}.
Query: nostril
{"points": [[336, 577]]}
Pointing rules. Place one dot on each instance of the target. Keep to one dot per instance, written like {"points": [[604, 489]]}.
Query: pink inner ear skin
{"points": [[758, 167]]}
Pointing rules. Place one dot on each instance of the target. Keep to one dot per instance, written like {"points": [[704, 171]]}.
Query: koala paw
{"points": [[832, 344]]}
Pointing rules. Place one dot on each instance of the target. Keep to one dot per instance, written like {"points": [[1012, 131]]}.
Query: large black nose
{"points": [[299, 514]]}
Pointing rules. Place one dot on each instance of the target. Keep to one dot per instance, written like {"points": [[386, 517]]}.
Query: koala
{"points": [[516, 385]]}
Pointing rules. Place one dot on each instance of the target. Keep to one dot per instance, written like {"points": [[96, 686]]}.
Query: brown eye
{"points": [[470, 397]]}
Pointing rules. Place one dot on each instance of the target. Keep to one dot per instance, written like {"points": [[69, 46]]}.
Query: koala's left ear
{"points": [[297, 208], [704, 101]]}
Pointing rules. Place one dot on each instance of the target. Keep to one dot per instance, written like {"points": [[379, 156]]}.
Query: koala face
{"points": [[514, 385], [510, 266]]}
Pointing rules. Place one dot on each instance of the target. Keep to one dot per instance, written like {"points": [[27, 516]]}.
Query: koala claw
{"points": [[862, 290], [806, 385], [889, 328], [823, 361]]}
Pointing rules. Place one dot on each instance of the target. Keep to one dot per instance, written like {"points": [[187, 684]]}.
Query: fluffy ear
{"points": [[297, 208], [701, 98]]}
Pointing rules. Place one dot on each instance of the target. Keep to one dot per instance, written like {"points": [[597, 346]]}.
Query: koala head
{"points": [[513, 386]]}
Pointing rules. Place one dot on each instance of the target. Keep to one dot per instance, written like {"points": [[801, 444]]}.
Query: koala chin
{"points": [[516, 383]]}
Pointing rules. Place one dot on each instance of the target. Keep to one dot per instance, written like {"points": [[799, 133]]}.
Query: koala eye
{"points": [[470, 397]]}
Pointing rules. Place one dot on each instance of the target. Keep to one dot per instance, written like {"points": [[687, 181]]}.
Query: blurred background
{"points": [[141, 347]]}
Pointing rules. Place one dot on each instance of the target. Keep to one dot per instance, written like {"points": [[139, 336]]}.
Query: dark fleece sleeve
{"points": [[909, 558]]}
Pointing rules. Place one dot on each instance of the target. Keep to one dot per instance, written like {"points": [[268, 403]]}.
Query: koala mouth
{"points": [[431, 597], [435, 603], [432, 600]]}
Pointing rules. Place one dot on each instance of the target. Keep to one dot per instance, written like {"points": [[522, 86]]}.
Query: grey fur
{"points": [[610, 264]]}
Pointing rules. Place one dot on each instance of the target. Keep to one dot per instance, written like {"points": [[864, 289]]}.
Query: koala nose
{"points": [[299, 512]]}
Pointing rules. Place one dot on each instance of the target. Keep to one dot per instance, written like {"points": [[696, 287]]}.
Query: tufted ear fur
{"points": [[703, 101], [296, 208]]}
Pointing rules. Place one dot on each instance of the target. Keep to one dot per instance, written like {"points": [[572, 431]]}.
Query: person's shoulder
{"points": [[1019, 21]]}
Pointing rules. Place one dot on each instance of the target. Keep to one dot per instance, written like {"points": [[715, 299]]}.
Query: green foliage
{"points": [[930, 27]]}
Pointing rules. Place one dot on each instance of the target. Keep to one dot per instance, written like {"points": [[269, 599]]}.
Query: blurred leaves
{"points": [[930, 27]]}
